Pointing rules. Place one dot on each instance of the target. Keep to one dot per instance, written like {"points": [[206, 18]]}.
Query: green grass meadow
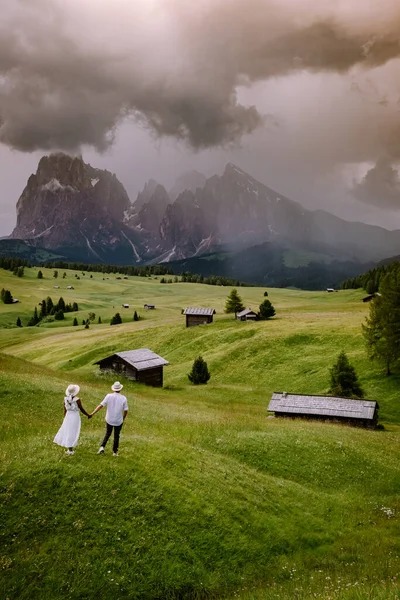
{"points": [[210, 498]]}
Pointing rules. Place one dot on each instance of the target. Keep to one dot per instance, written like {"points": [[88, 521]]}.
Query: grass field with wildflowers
{"points": [[209, 497]]}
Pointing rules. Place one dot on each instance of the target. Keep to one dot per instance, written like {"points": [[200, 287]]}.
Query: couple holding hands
{"points": [[117, 409]]}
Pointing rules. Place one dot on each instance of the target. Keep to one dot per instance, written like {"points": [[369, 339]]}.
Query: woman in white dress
{"points": [[68, 434]]}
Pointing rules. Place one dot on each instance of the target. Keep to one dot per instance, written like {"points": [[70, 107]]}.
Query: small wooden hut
{"points": [[149, 306], [198, 316], [141, 365], [247, 315], [361, 413]]}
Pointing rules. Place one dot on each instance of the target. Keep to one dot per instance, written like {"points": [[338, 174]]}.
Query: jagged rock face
{"points": [[152, 212], [69, 203], [183, 228], [246, 210], [68, 206], [145, 195]]}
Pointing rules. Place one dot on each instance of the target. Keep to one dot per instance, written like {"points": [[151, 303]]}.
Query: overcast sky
{"points": [[305, 96]]}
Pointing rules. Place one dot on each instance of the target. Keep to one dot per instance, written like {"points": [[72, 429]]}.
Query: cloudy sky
{"points": [[303, 95]]}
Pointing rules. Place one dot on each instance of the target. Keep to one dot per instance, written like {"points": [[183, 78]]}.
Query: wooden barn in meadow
{"points": [[247, 315], [141, 365], [361, 413], [198, 316]]}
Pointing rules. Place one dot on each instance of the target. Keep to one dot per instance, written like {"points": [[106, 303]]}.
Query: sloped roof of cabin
{"points": [[199, 311], [142, 359], [246, 311], [281, 402]]}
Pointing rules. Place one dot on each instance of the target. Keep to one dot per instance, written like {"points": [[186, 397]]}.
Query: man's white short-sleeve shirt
{"points": [[116, 405]]}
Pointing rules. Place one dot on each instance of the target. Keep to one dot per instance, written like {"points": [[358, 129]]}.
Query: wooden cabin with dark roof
{"points": [[361, 413], [247, 315], [198, 316], [142, 365]]}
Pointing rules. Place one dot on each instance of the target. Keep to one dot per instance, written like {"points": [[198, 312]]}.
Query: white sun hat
{"points": [[72, 390], [117, 386]]}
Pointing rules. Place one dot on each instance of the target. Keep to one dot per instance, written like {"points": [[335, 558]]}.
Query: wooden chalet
{"points": [[371, 297], [361, 413], [247, 315], [198, 316], [141, 365], [149, 306]]}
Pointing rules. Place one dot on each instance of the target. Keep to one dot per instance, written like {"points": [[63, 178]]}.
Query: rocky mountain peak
{"points": [[68, 202], [145, 195]]}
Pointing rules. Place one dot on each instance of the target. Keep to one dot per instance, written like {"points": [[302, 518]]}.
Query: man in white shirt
{"points": [[117, 409]]}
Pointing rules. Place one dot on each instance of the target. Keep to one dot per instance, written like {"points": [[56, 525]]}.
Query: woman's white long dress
{"points": [[68, 434]]}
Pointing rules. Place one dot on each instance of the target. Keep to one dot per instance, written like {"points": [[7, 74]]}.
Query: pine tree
{"points": [[7, 297], [43, 309], [75, 322], [266, 310], [34, 320], [234, 303], [75, 307], [265, 294], [135, 316], [49, 305], [199, 374], [99, 321], [344, 380], [19, 324], [55, 274], [116, 319], [87, 324], [40, 275], [20, 271], [61, 304], [382, 328], [59, 315]]}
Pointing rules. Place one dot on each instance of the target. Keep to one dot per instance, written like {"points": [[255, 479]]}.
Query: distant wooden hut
{"points": [[371, 297], [362, 413], [198, 316], [140, 365], [149, 306], [247, 315]]}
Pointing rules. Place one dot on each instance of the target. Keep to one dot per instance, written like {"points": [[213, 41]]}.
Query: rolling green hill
{"points": [[209, 498]]}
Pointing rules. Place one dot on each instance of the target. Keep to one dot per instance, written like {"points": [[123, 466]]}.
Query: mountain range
{"points": [[76, 211]]}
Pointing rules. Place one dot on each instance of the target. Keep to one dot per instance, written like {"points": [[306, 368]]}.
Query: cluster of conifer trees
{"points": [[49, 308], [371, 280], [12, 264], [381, 329], [234, 304]]}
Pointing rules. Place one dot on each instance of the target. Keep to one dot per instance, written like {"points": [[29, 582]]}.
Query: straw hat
{"points": [[72, 390], [117, 386]]}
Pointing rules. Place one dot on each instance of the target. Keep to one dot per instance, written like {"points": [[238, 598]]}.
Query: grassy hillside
{"points": [[209, 498]]}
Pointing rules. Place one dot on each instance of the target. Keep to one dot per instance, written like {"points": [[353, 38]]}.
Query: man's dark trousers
{"points": [[117, 431]]}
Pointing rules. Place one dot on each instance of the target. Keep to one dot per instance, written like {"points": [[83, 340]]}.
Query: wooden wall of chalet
{"points": [[367, 423], [193, 320], [153, 377]]}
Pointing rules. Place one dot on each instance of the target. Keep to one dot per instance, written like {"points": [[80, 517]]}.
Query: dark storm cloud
{"points": [[71, 71], [380, 186]]}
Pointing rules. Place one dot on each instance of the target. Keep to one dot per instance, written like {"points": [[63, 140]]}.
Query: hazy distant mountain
{"points": [[188, 182], [73, 209]]}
